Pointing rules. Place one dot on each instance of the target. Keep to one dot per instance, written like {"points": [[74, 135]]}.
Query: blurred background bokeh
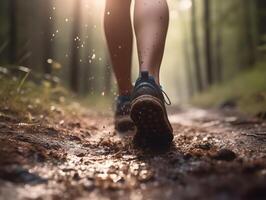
{"points": [[210, 42]]}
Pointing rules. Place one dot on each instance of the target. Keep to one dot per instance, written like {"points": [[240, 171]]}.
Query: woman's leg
{"points": [[148, 105], [151, 20], [118, 31]]}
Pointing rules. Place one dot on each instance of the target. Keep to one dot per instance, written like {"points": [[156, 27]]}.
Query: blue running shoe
{"points": [[148, 112]]}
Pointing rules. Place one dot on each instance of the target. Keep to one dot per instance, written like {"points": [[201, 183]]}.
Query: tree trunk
{"points": [[218, 62], [108, 78], [208, 46], [250, 31], [188, 69], [47, 35], [218, 45], [75, 53], [12, 31], [195, 47]]}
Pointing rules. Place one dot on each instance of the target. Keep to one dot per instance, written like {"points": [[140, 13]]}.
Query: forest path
{"points": [[215, 155]]}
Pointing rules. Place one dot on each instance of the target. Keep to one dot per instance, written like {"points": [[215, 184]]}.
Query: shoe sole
{"points": [[151, 120]]}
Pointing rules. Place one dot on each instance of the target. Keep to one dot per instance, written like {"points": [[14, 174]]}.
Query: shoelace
{"points": [[168, 102]]}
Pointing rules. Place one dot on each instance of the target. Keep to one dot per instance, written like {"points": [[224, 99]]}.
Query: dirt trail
{"points": [[214, 156]]}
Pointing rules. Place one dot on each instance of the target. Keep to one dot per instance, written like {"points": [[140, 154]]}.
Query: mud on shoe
{"points": [[123, 121], [149, 113]]}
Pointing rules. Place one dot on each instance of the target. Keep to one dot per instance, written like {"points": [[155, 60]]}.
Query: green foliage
{"points": [[248, 89], [23, 100], [27, 101]]}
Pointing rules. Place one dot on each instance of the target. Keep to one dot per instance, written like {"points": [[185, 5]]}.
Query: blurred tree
{"points": [[195, 46], [251, 32], [187, 56], [87, 64], [207, 37], [75, 53], [47, 9], [218, 43], [12, 31], [86, 83], [261, 18], [4, 29], [107, 77]]}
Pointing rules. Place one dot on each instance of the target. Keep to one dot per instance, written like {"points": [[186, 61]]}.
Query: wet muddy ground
{"points": [[215, 155]]}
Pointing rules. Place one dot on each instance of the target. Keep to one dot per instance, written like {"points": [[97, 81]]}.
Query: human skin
{"points": [[151, 19]]}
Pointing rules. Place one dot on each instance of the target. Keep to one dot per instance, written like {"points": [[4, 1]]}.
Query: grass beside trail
{"points": [[248, 90], [22, 99], [25, 100]]}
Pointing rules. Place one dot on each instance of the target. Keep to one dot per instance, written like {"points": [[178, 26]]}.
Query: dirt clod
{"points": [[204, 146], [225, 154], [17, 174]]}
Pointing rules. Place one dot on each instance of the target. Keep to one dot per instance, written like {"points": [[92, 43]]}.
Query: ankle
{"points": [[125, 92], [155, 75]]}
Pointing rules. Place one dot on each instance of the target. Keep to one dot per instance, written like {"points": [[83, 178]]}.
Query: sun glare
{"points": [[99, 3], [185, 4]]}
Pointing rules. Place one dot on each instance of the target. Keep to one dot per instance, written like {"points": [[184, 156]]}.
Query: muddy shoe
{"points": [[149, 113], [123, 122]]}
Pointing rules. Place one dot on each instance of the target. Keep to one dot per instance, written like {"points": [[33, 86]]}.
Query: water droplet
{"points": [[49, 60]]}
